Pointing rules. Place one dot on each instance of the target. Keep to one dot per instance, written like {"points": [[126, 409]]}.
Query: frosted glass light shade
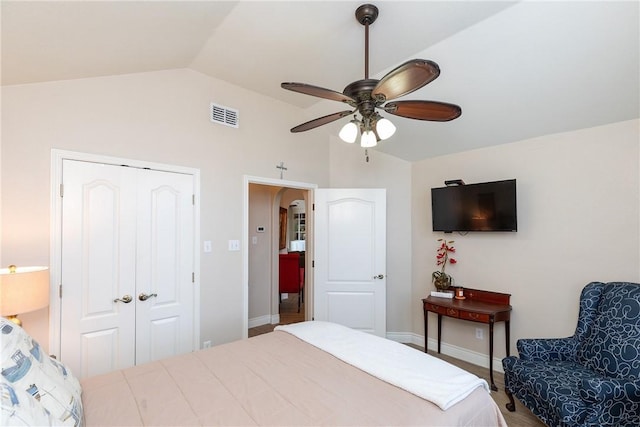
{"points": [[24, 290], [368, 139], [349, 132], [385, 128]]}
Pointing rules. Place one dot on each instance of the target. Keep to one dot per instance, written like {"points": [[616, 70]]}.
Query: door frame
{"points": [[248, 179], [55, 249]]}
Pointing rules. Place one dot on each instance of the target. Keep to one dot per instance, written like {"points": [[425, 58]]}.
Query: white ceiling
{"points": [[517, 69]]}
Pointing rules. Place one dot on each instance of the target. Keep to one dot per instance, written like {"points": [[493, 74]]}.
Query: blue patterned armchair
{"points": [[591, 378]]}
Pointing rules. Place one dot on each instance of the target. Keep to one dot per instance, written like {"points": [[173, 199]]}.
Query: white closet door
{"points": [[98, 266], [165, 234], [126, 232]]}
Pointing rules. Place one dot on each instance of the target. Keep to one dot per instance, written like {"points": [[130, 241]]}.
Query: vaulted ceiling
{"points": [[518, 69]]}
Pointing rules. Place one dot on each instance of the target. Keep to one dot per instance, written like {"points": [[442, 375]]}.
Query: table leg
{"points": [[426, 331], [507, 335], [439, 330], [493, 384]]}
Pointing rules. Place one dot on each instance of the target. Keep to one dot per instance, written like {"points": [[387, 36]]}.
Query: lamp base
{"points": [[14, 319]]}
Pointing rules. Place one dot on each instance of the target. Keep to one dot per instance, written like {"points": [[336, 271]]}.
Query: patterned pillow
{"points": [[20, 408], [27, 369], [612, 346]]}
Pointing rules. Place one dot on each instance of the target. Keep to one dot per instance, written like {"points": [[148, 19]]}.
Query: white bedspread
{"points": [[418, 373]]}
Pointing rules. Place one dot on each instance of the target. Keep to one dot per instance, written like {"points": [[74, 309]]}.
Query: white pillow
{"points": [[26, 368]]}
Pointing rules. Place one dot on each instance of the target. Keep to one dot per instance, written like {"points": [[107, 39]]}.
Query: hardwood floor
{"points": [[522, 417]]}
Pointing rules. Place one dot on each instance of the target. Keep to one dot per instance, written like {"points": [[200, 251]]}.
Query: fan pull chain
{"points": [[366, 155]]}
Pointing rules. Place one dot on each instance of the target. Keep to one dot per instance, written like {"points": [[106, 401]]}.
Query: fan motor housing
{"points": [[360, 90]]}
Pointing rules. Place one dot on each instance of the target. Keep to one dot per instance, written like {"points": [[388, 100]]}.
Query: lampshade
{"points": [[23, 289], [349, 132], [368, 139], [385, 128]]}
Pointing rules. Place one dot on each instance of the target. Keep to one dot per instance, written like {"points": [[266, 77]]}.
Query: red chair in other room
{"points": [[291, 278]]}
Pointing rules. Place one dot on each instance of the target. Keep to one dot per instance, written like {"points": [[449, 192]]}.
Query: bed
{"points": [[298, 375]]}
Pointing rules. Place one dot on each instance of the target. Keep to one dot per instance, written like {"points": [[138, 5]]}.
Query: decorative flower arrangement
{"points": [[440, 279]]}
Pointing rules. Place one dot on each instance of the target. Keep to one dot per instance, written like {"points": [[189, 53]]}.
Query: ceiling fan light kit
{"points": [[368, 139], [349, 132], [365, 95], [385, 128]]}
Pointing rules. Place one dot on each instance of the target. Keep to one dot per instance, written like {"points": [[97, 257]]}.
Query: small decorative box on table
{"points": [[478, 306]]}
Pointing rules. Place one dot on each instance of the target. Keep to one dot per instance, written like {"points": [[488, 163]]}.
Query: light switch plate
{"points": [[234, 245]]}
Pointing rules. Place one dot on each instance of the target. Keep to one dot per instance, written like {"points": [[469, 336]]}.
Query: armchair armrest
{"points": [[596, 390], [547, 349]]}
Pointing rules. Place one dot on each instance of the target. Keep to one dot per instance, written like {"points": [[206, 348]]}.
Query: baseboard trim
{"points": [[259, 321], [467, 355]]}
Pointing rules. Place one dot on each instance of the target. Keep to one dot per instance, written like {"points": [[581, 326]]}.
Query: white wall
{"points": [[159, 117], [578, 221]]}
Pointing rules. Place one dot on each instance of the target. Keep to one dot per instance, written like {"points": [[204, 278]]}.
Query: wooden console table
{"points": [[478, 306]]}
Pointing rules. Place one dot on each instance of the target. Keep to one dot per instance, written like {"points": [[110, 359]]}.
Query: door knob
{"points": [[144, 297], [379, 276], [125, 299]]}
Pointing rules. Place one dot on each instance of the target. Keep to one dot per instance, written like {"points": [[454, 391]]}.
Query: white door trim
{"points": [[248, 179], [55, 254]]}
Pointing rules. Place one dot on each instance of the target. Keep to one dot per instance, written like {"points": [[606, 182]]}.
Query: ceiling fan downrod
{"points": [[366, 15]]}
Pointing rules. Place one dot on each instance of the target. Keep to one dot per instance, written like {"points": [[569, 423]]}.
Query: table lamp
{"points": [[23, 289]]}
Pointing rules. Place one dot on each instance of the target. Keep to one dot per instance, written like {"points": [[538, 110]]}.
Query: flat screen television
{"points": [[487, 206]]}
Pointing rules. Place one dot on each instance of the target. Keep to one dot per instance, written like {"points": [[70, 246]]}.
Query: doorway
{"points": [[261, 249]]}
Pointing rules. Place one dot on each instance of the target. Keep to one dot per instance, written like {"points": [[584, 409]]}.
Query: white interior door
{"points": [[125, 231], [164, 273], [350, 258], [98, 253]]}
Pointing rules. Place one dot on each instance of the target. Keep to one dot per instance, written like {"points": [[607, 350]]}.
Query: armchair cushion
{"points": [[553, 386], [600, 389]]}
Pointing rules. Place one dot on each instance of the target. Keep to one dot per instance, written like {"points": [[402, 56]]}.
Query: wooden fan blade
{"points": [[320, 92], [424, 110], [406, 78], [320, 121]]}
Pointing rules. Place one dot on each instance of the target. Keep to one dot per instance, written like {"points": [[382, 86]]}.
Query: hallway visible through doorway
{"points": [[288, 314]]}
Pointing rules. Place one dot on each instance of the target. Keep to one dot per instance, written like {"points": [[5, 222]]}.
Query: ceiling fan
{"points": [[367, 95]]}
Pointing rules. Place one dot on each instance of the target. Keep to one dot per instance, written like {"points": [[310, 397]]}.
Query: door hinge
{"points": [[313, 263], [61, 190], [193, 277], [313, 207], [193, 199], [60, 291]]}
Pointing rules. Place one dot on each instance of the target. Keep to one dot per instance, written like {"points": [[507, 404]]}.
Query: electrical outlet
{"points": [[479, 333], [206, 344]]}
